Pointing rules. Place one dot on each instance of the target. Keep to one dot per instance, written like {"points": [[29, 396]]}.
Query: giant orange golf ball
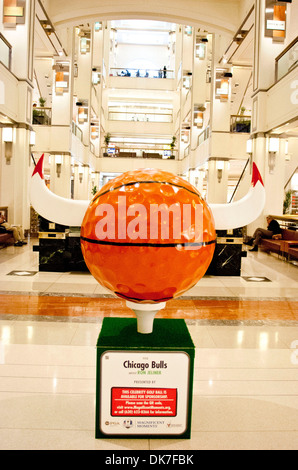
{"points": [[148, 236]]}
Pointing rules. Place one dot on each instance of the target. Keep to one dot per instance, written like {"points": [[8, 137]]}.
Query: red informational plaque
{"points": [[144, 402]]}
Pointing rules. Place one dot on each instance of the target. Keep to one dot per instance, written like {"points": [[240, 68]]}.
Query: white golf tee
{"points": [[145, 314]]}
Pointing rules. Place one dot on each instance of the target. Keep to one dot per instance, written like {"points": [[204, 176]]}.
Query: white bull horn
{"points": [[242, 212], [55, 208], [71, 212]]}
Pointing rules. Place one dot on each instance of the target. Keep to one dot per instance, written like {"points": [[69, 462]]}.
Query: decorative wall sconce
{"points": [[198, 118], [13, 13], [97, 26], [185, 136], [61, 78], [82, 115], [249, 147], [7, 139], [85, 42], [219, 167], [201, 47], [94, 132], [208, 74], [7, 134], [188, 30], [273, 144], [187, 81], [201, 51], [96, 74], [32, 138], [83, 107], [58, 162], [222, 85], [287, 155], [81, 173], [272, 150], [275, 19]]}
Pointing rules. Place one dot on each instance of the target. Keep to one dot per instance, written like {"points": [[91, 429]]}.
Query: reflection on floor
{"points": [[246, 370]]}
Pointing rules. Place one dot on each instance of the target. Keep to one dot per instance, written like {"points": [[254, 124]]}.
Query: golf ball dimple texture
{"points": [[141, 257]]}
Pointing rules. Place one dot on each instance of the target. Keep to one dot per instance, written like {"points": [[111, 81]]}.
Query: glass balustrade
{"points": [[137, 152], [5, 52], [287, 60], [141, 73], [42, 116], [140, 116], [240, 123]]}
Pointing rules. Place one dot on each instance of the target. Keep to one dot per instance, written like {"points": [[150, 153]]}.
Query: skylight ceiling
{"points": [[143, 38], [142, 32], [143, 25]]}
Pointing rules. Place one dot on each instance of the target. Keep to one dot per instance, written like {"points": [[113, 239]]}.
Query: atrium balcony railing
{"points": [[205, 134], [5, 52], [140, 116], [287, 60], [141, 73], [133, 152], [240, 123], [42, 116], [77, 131]]}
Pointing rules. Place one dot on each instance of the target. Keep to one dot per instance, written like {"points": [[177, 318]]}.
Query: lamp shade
{"points": [[249, 146], [7, 134], [273, 144], [32, 137]]}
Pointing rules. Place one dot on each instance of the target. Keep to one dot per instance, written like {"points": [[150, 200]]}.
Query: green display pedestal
{"points": [[144, 383]]}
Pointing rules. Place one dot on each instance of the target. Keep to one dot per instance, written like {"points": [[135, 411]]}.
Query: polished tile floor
{"points": [[246, 367]]}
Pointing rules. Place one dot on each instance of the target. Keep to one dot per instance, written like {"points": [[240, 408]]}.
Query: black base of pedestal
{"points": [[226, 260], [61, 255]]}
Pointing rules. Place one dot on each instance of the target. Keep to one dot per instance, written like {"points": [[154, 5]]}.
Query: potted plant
{"points": [[287, 202], [107, 139], [42, 101], [173, 145], [94, 190]]}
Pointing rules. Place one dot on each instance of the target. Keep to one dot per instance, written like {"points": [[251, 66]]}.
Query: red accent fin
{"points": [[39, 166], [256, 176]]}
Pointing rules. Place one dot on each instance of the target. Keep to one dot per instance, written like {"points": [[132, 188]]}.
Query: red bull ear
{"points": [[39, 167], [244, 211], [256, 176]]}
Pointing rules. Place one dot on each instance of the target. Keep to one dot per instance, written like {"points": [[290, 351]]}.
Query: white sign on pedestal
{"points": [[144, 392]]}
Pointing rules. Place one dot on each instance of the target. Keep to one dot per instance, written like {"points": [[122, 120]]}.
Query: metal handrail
{"points": [[9, 48], [241, 176], [296, 169]]}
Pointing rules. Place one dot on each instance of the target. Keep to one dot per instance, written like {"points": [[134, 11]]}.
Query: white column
{"points": [[273, 175], [81, 183], [61, 175], [15, 177], [62, 103], [265, 52], [217, 188]]}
